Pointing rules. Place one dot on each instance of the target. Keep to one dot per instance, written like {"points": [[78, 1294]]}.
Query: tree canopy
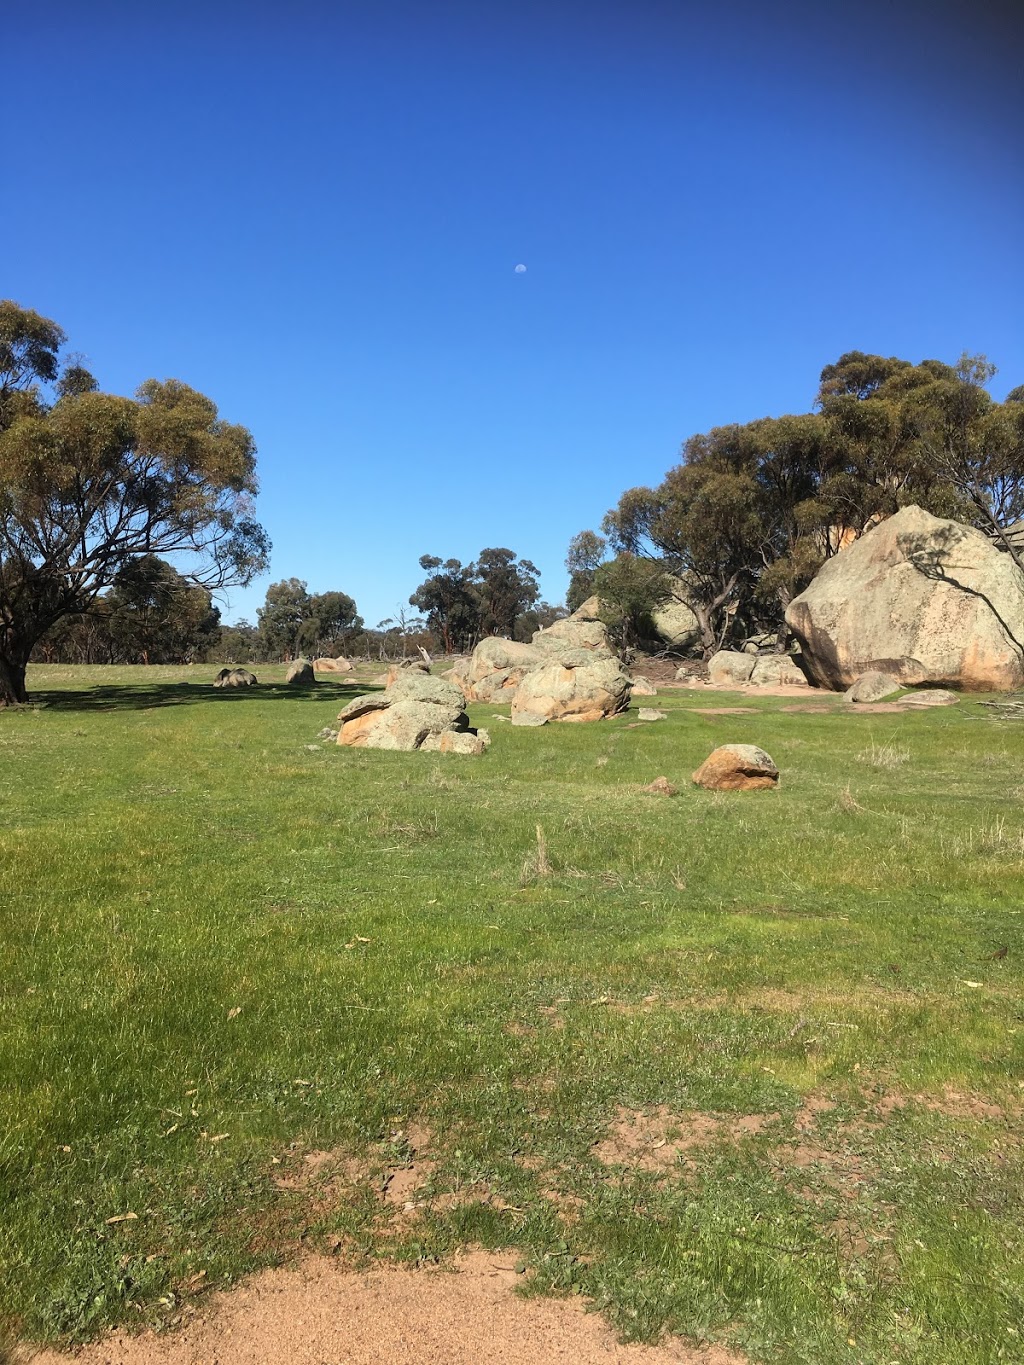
{"points": [[464, 602], [90, 481], [292, 620], [747, 517]]}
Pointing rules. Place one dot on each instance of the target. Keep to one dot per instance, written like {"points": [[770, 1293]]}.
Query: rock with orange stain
{"points": [[922, 599], [737, 767]]}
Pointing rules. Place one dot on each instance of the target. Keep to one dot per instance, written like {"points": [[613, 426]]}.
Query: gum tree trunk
{"points": [[12, 681]]}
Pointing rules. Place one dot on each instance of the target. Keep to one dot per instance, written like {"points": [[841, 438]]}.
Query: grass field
{"points": [[740, 1066]]}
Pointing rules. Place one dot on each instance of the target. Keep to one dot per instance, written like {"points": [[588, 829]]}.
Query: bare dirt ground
{"points": [[320, 1313]]}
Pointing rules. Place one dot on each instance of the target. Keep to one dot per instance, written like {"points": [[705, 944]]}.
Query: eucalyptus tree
{"points": [[90, 481]]}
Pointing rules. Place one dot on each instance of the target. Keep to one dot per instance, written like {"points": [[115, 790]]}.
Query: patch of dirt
{"points": [[659, 1140], [956, 1104], [402, 1182], [877, 708], [314, 1168], [808, 708], [322, 1314], [722, 710], [806, 1116]]}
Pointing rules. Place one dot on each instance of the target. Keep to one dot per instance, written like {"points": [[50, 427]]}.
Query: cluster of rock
{"points": [[568, 673], [415, 711], [919, 599], [730, 668], [235, 677]]}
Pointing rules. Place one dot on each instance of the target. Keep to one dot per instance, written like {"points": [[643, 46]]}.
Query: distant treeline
{"points": [[735, 530], [741, 525], [152, 614]]}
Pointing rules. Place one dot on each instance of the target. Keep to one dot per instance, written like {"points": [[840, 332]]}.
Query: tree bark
{"points": [[12, 681]]}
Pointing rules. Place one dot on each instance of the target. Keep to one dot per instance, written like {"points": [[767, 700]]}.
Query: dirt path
{"points": [[323, 1314]]}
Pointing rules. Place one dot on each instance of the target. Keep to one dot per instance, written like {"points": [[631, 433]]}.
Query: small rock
{"points": [[235, 677], [931, 696], [643, 687], [737, 767], [873, 686], [327, 733], [651, 713], [531, 718], [661, 786], [455, 742]]}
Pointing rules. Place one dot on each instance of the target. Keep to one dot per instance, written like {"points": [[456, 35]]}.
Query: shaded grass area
{"points": [[224, 945]]}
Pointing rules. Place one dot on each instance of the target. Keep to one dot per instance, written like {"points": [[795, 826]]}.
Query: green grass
{"points": [[209, 927]]}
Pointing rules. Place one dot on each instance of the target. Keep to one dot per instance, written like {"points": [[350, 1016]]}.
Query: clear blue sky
{"points": [[313, 213]]}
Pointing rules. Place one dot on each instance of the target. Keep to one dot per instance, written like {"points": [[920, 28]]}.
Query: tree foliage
{"points": [[464, 602], [151, 615], [90, 481], [293, 621], [747, 517]]}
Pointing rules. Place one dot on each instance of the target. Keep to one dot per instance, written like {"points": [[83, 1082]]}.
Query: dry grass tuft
{"points": [[536, 865], [884, 755]]}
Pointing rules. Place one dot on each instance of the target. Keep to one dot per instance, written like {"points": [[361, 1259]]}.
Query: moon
{"points": [[520, 269]]}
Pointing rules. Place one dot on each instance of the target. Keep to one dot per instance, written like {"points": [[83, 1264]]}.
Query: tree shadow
{"points": [[931, 556], [149, 696]]}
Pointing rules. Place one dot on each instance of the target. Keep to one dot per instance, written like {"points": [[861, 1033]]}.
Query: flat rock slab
{"points": [[651, 713], [322, 1312], [931, 696]]}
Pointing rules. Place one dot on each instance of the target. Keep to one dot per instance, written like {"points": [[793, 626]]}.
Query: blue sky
{"points": [[313, 213]]}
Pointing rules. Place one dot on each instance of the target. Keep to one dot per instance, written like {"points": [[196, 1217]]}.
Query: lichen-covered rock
{"points": [[414, 707], [578, 631], [651, 713], [582, 692], [922, 599], [674, 621], [457, 742], [737, 767], [235, 677], [403, 666], [300, 674], [777, 670], [496, 668], [873, 686], [729, 669], [643, 687]]}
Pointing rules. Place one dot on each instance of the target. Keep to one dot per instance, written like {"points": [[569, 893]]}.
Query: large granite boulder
{"points": [[921, 599], [673, 619], [300, 674], [577, 686], [728, 668], [777, 670], [328, 665], [576, 631], [496, 668], [416, 711], [873, 686]]}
